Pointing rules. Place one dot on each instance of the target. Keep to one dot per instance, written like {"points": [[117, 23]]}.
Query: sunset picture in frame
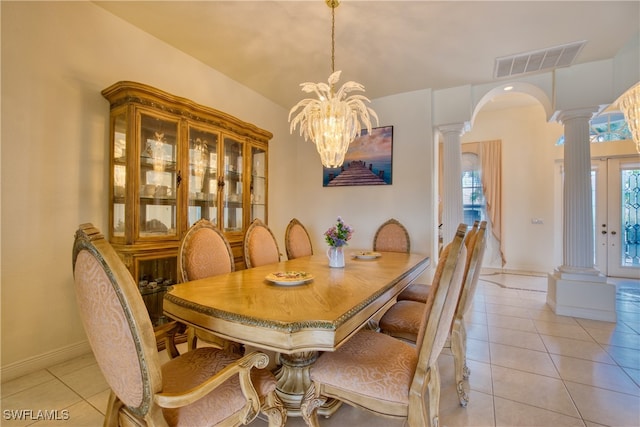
{"points": [[367, 162]]}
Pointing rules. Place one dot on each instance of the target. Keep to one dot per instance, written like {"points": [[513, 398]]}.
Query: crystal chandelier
{"points": [[334, 119], [629, 103], [199, 162], [157, 156]]}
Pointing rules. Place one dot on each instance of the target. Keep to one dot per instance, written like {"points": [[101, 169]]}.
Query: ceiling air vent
{"points": [[539, 60]]}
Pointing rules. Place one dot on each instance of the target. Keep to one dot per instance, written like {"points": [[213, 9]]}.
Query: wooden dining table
{"points": [[295, 321]]}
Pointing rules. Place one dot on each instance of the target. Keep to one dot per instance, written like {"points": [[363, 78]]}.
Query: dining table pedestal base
{"points": [[293, 381]]}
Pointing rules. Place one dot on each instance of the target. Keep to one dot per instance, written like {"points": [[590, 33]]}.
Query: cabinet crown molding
{"points": [[128, 92]]}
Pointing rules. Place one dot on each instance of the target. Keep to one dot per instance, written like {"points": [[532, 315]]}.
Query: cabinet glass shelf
{"points": [[173, 162]]}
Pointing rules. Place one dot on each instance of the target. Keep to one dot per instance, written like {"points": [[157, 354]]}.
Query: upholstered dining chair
{"points": [[387, 376], [402, 320], [296, 240], [418, 291], [392, 236], [404, 317], [205, 252], [260, 245], [475, 250], [206, 386]]}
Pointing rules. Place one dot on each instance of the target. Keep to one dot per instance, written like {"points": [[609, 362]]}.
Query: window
{"points": [[606, 127], [473, 202]]}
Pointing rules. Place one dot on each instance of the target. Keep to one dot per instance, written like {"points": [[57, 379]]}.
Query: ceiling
{"points": [[389, 46]]}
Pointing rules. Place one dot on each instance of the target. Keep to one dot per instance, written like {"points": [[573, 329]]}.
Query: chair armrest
{"points": [[241, 367], [167, 332]]}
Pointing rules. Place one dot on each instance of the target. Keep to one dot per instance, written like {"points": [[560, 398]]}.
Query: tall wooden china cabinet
{"points": [[173, 162]]}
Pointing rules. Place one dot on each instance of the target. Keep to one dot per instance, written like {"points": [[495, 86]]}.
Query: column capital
{"points": [[576, 113], [455, 128]]}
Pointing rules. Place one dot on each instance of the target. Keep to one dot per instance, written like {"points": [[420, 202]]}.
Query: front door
{"points": [[617, 216]]}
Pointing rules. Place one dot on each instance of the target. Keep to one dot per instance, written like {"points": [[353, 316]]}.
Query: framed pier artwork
{"points": [[369, 161]]}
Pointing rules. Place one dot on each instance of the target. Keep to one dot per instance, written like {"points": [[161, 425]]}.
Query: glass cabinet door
{"points": [[203, 176], [158, 159], [232, 190], [258, 184], [155, 274], [119, 173]]}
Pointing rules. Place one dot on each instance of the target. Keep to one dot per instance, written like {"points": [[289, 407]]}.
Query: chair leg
{"points": [[424, 407], [166, 334], [233, 347], [372, 325], [273, 408], [192, 340], [465, 370], [433, 387], [113, 411], [458, 348], [170, 345], [310, 404]]}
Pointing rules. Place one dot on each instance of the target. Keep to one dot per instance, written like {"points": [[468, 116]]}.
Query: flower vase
{"points": [[336, 257]]}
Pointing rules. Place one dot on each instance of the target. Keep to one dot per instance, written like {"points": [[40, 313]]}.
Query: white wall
{"points": [[58, 56], [528, 150], [409, 198], [626, 65], [531, 185], [56, 59]]}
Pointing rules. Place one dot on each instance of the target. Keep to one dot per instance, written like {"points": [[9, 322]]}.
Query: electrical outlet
{"points": [[537, 221]]}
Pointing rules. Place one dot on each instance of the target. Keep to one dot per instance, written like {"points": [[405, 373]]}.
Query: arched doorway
{"points": [[520, 121]]}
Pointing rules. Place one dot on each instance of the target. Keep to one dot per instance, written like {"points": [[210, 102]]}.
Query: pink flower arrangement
{"points": [[339, 234]]}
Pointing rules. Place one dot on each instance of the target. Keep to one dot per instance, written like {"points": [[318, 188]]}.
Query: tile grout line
{"points": [[78, 394]]}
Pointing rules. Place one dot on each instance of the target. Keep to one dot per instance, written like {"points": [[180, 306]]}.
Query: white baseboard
{"points": [[43, 361]]}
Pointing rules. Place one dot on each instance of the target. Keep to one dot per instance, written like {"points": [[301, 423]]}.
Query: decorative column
{"points": [[577, 288], [452, 213]]}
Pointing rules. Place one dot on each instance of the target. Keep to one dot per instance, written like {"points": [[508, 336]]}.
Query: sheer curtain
{"points": [[490, 154]]}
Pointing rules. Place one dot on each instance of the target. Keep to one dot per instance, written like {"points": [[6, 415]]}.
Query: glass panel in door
{"points": [[158, 160], [258, 184], [203, 176], [598, 190], [119, 173], [624, 217], [617, 216], [233, 167]]}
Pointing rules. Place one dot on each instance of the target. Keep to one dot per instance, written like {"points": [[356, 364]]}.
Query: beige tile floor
{"points": [[529, 367]]}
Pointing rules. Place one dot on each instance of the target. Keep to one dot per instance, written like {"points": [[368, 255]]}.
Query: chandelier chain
{"points": [[333, 37], [335, 119]]}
